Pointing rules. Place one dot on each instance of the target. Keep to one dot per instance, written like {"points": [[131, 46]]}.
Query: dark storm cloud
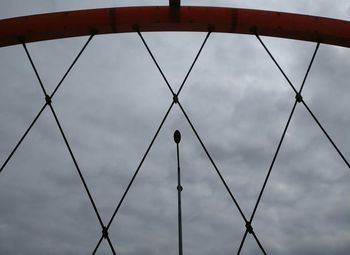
{"points": [[110, 106]]}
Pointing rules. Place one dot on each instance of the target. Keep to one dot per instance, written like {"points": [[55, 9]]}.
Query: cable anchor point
{"points": [[104, 232], [48, 99], [298, 97], [249, 227], [175, 99]]}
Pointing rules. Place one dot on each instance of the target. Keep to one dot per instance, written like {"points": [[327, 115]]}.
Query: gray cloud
{"points": [[110, 106]]}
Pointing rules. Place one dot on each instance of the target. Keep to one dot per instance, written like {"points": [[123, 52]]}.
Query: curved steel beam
{"points": [[164, 18]]}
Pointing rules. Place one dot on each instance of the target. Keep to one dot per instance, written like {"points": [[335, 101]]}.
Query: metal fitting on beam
{"points": [[175, 3]]}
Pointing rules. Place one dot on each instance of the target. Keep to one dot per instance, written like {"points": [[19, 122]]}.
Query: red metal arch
{"points": [[164, 18]]}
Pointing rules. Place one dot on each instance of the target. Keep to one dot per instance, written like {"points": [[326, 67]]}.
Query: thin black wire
{"points": [[273, 160], [309, 67], [97, 245], [274, 60], [193, 63], [111, 245], [44, 106], [76, 165], [308, 108], [258, 242], [175, 99], [71, 66], [34, 68], [242, 242], [160, 70], [327, 135], [22, 138], [156, 63]]}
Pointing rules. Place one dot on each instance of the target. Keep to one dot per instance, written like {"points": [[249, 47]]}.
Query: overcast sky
{"points": [[110, 106]]}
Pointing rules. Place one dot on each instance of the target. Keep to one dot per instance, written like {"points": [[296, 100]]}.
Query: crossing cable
{"points": [[307, 107], [297, 100], [49, 103], [175, 96], [159, 128], [177, 139], [44, 106], [176, 100]]}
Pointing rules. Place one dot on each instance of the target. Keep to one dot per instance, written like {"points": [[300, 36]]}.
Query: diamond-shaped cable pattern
{"points": [[44, 106], [49, 103], [175, 101], [306, 106], [297, 99]]}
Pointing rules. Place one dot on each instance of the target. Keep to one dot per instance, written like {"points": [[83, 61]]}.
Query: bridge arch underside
{"points": [[163, 18]]}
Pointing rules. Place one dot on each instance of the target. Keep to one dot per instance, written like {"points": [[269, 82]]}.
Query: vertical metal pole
{"points": [[177, 138]]}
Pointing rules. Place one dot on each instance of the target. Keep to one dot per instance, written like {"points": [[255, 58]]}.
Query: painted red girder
{"points": [[163, 18]]}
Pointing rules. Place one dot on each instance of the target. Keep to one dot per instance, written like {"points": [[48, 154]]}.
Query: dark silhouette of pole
{"points": [[177, 139]]}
